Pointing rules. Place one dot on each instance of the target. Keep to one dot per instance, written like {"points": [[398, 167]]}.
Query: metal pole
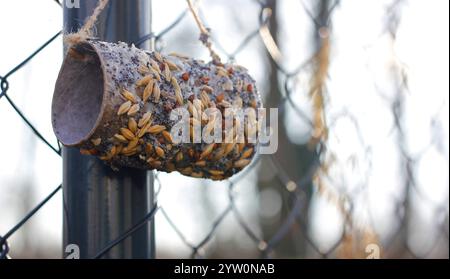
{"points": [[99, 203]]}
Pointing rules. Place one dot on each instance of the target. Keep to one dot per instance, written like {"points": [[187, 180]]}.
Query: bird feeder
{"points": [[114, 101]]}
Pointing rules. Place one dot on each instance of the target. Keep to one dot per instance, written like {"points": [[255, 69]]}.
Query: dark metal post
{"points": [[99, 203]]}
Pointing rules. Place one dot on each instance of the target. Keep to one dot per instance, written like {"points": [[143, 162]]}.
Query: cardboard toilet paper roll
{"points": [[115, 101]]}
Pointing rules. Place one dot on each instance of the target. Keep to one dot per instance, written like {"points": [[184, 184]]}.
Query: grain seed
{"points": [[144, 81], [132, 125], [166, 95], [155, 65], [159, 151], [221, 72], [88, 151], [197, 174], [228, 165], [177, 89], [113, 151], [143, 70], [148, 91], [96, 141], [178, 55], [129, 96], [148, 148], [120, 138], [133, 110], [172, 66], [241, 163], [116, 149], [179, 156], [217, 177], [104, 158], [228, 148], [204, 98], [241, 147], [200, 163], [158, 57], [156, 74], [215, 172], [195, 113], [155, 129], [109, 154], [186, 171], [167, 72], [167, 136], [127, 133], [198, 105], [207, 89], [143, 130], [132, 144], [190, 108], [236, 151], [154, 163], [208, 149], [144, 119], [247, 153], [124, 108], [129, 152], [156, 92], [170, 167]]}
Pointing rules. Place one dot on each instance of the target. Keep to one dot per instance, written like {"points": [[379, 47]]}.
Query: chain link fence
{"points": [[310, 167]]}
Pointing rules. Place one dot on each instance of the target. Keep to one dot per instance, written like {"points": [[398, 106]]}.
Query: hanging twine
{"points": [[204, 34], [85, 31]]}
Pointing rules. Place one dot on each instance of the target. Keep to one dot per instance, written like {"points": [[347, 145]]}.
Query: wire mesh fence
{"points": [[313, 168]]}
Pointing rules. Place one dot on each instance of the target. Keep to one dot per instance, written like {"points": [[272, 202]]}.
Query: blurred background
{"points": [[363, 157]]}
